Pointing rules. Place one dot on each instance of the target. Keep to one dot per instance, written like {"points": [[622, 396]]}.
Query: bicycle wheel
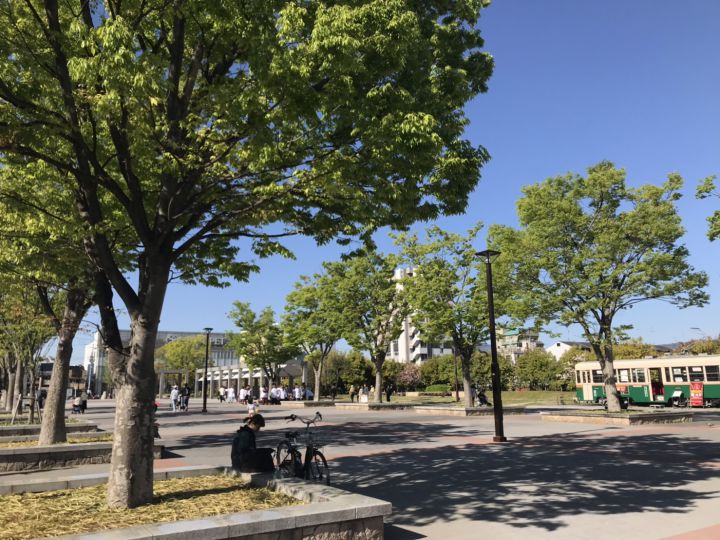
{"points": [[319, 471], [285, 459]]}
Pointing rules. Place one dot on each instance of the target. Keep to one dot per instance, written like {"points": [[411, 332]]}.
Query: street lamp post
{"points": [[489, 255], [207, 355]]}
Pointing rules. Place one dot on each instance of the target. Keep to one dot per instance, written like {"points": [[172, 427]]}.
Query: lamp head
{"points": [[207, 330], [488, 255]]}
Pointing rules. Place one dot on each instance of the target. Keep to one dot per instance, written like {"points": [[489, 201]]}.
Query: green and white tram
{"points": [[667, 380]]}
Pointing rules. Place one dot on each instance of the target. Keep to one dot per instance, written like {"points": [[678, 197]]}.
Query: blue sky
{"points": [[576, 82]]}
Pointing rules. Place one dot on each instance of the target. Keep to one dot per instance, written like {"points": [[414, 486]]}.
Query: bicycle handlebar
{"points": [[317, 418]]}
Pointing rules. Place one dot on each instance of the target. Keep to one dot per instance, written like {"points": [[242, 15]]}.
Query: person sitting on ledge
{"points": [[246, 457]]}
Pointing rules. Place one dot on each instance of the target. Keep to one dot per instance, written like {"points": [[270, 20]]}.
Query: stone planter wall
{"points": [[61, 455], [34, 429], [621, 419]]}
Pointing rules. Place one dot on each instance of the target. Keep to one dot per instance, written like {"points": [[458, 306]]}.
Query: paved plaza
{"points": [[447, 480]]}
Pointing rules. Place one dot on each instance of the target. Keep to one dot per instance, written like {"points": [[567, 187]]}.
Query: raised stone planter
{"points": [[34, 429], [59, 455], [329, 513], [308, 404], [621, 419], [77, 435], [374, 406], [436, 410]]}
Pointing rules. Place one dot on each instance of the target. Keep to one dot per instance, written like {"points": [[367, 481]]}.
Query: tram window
{"points": [[696, 374], [679, 374], [597, 376], [624, 375], [667, 375], [586, 377], [713, 373], [638, 375], [577, 377]]}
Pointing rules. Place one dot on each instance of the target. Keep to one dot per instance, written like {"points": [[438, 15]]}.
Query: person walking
{"points": [[388, 391], [83, 398], [231, 395], [353, 393], [174, 393], [185, 398]]}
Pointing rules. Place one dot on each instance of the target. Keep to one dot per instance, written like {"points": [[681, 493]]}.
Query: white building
{"points": [[514, 342], [410, 347], [227, 368], [559, 348]]}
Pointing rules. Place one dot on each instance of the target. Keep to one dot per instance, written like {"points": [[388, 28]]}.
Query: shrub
{"points": [[438, 388]]}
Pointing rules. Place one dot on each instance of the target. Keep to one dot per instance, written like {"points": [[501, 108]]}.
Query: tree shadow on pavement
{"points": [[535, 481], [400, 433]]}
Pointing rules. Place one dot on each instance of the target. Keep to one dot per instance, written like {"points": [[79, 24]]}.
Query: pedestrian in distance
{"points": [[84, 399], [174, 394], [388, 391], [353, 393]]}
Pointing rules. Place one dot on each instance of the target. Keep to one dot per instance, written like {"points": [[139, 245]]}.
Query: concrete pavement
{"points": [[447, 480]]}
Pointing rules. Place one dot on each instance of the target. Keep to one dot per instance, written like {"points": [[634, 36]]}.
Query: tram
{"points": [[668, 380]]}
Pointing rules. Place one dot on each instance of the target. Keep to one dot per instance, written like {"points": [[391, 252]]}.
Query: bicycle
{"points": [[289, 458]]}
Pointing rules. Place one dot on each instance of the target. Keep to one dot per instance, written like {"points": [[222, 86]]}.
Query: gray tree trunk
{"points": [[467, 381], [318, 374], [52, 430], [18, 382], [131, 470], [378, 379], [10, 394]]}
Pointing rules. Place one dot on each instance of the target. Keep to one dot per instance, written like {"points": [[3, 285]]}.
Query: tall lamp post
{"points": [[489, 256], [207, 355]]}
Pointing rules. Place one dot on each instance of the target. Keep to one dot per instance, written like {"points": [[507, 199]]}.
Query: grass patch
{"points": [[83, 510], [105, 437]]}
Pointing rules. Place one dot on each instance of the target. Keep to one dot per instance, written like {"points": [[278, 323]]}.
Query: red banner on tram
{"points": [[696, 394]]}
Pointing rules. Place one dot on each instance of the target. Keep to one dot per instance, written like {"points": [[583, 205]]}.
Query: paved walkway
{"points": [[447, 480]]}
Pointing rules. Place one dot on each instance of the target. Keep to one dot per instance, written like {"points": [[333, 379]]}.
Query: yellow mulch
{"points": [[106, 437], [33, 515]]}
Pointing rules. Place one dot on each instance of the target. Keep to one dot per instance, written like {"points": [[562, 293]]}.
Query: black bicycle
{"points": [[290, 459]]}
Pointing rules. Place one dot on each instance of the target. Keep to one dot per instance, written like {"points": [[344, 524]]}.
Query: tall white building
{"points": [[513, 342], [410, 346]]}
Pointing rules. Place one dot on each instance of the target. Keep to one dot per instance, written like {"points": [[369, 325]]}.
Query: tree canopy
{"points": [[590, 247]]}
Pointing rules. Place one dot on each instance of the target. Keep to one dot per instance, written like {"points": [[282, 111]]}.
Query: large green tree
{"points": [[205, 121], [261, 341], [313, 321], [590, 247], [184, 354], [705, 189], [447, 292], [373, 305]]}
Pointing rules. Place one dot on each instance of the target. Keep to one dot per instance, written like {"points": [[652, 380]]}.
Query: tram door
{"points": [[656, 384]]}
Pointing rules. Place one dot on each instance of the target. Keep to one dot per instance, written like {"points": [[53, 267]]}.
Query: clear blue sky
{"points": [[576, 82]]}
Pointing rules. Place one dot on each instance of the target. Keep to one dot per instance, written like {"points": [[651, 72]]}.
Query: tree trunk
{"points": [[378, 378], [53, 430], [10, 394], [131, 470], [467, 381], [18, 383], [318, 374]]}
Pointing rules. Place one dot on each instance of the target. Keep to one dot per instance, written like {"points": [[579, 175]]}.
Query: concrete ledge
{"points": [[329, 514], [34, 429], [59, 455], [439, 410], [374, 406], [620, 419], [308, 404], [77, 435]]}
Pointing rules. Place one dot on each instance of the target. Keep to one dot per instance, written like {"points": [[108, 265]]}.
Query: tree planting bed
{"points": [[328, 513], [435, 410]]}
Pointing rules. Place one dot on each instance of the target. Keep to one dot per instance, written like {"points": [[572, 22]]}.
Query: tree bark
{"points": [[378, 378], [10, 393], [131, 470], [18, 382], [52, 430], [467, 380], [318, 374]]}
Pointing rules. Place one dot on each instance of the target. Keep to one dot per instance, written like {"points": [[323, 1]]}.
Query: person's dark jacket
{"points": [[246, 457]]}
